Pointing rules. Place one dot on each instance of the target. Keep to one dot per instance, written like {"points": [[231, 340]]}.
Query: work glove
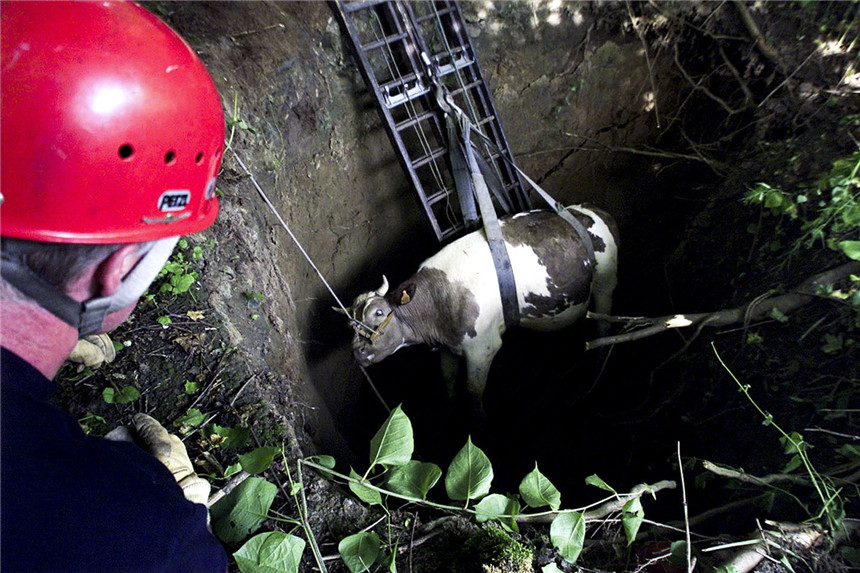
{"points": [[170, 451], [93, 351]]}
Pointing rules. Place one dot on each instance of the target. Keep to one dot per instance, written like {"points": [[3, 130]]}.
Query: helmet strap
{"points": [[88, 316]]}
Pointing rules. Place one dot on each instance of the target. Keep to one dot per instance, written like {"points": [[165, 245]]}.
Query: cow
{"points": [[453, 300]]}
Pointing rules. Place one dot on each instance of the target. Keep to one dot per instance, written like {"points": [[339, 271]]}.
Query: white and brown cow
{"points": [[453, 301]]}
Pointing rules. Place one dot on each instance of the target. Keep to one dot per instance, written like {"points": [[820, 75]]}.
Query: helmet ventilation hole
{"points": [[199, 159], [170, 157], [126, 151]]}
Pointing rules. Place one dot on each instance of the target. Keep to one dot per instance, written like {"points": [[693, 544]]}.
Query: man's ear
{"points": [[112, 270]]}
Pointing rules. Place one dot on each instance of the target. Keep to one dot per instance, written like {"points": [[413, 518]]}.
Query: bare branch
{"points": [[756, 34], [608, 508], [787, 303]]}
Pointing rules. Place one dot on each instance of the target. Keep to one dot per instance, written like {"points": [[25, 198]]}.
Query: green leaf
{"points": [[550, 568], [851, 249], [232, 469], [181, 283], [597, 482], [258, 460], [365, 494], [359, 551], [325, 461], [777, 315], [393, 444], [242, 511], [163, 321], [124, 395], [793, 443], [832, 344], [271, 552], [567, 533], [537, 491], [414, 479], [500, 508], [192, 418], [632, 515], [232, 438], [470, 474], [793, 463]]}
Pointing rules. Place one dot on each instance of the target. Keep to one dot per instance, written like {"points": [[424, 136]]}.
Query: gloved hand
{"points": [[169, 450], [93, 351]]}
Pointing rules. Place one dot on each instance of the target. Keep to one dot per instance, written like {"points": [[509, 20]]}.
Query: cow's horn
{"points": [[381, 291]]}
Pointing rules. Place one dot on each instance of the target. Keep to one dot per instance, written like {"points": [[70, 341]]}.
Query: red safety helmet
{"points": [[112, 129]]}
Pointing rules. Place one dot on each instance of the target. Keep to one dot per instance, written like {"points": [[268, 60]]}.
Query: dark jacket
{"points": [[71, 502]]}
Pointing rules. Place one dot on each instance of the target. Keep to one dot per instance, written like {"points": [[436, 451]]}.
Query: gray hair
{"points": [[58, 263]]}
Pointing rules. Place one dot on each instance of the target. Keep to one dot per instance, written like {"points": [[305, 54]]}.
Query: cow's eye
{"points": [[378, 312]]}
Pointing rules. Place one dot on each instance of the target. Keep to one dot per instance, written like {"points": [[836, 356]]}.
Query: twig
{"points": [[686, 512], [633, 150], [756, 34], [612, 506], [635, 22], [832, 433], [231, 484], [249, 32], [240, 390], [787, 79], [789, 535], [749, 100], [697, 86], [744, 477]]}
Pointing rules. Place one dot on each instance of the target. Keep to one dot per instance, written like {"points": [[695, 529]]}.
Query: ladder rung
{"points": [[468, 86], [450, 232], [398, 82], [436, 154], [440, 195], [386, 41], [413, 120], [354, 6], [438, 12]]}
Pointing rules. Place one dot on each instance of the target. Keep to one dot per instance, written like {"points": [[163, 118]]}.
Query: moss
{"points": [[496, 550]]}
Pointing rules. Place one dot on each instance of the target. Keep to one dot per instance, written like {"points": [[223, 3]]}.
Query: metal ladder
{"points": [[410, 54]]}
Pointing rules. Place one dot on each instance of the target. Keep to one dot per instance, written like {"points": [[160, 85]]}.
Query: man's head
{"points": [[112, 136]]}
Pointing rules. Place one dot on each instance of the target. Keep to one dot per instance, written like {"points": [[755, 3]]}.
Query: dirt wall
{"points": [[568, 79]]}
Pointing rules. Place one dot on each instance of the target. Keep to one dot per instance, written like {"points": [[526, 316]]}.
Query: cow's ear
{"points": [[407, 291]]}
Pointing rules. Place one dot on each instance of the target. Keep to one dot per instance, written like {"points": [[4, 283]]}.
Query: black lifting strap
{"points": [[493, 231]]}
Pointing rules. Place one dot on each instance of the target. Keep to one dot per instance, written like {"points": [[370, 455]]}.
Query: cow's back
{"points": [[549, 262]]}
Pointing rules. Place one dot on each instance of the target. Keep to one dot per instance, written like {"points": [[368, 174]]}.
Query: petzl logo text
{"points": [[173, 200]]}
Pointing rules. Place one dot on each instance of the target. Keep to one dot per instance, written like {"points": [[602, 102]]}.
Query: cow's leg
{"points": [[605, 280], [451, 368], [478, 361]]}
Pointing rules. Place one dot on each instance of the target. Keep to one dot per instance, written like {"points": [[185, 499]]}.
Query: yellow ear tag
{"points": [[404, 297]]}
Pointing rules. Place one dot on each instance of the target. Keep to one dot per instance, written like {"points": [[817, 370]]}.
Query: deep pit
{"points": [[597, 109]]}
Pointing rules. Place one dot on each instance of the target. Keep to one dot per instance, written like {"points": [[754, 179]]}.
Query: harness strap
{"points": [[460, 170], [493, 231], [560, 209]]}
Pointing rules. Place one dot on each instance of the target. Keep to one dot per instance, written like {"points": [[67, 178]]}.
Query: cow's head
{"points": [[378, 332]]}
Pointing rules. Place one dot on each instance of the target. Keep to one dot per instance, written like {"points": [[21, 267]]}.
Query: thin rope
{"points": [[308, 258], [287, 229]]}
